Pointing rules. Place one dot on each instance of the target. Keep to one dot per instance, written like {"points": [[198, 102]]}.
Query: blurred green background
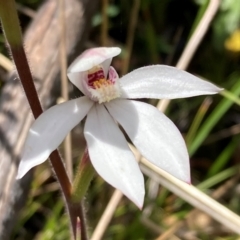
{"points": [[211, 125]]}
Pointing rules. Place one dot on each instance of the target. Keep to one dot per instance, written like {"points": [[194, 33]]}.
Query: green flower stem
{"points": [[83, 178], [10, 23], [78, 220], [81, 183]]}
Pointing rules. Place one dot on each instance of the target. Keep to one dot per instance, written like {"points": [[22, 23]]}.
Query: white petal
{"points": [[92, 57], [49, 130], [154, 135], [159, 81], [111, 156], [87, 60]]}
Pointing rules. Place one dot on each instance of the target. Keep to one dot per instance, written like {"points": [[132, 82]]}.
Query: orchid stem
{"points": [[83, 224], [78, 220], [13, 35], [83, 178], [84, 175], [14, 38]]}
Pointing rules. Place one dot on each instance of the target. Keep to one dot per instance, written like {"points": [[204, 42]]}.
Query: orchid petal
{"points": [[49, 130], [93, 57], [154, 135], [111, 156], [89, 59], [113, 75], [164, 82]]}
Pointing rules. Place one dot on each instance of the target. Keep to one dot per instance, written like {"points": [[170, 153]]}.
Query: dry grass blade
{"points": [[64, 83], [107, 215], [104, 29], [6, 63], [25, 10], [217, 194], [198, 34], [193, 43], [193, 196], [224, 133], [130, 35]]}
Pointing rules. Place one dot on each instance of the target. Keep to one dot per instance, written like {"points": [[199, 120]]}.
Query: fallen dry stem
{"points": [[217, 194], [193, 196]]}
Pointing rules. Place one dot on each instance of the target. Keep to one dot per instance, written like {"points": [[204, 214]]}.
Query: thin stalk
{"points": [[194, 43], [223, 158], [229, 95], [64, 85], [12, 31], [130, 35], [84, 175], [104, 26], [198, 120], [11, 27], [83, 224], [212, 119], [193, 196], [6, 63], [107, 215], [81, 183], [78, 220]]}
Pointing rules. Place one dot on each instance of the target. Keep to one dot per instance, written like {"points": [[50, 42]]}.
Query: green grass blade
{"points": [[218, 178], [223, 158], [198, 120], [213, 118]]}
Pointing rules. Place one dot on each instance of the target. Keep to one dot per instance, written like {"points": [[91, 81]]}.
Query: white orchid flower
{"points": [[107, 103]]}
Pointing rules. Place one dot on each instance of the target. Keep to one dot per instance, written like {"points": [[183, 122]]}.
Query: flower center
{"points": [[102, 89]]}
